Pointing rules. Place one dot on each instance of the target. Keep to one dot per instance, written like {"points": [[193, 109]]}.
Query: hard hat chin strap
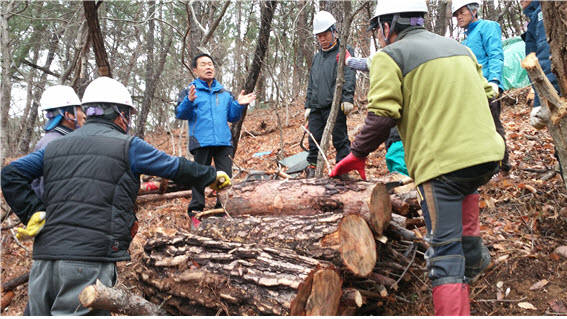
{"points": [[127, 121]]}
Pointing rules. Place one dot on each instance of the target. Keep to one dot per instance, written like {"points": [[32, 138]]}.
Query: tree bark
{"points": [[556, 106], [309, 197], [6, 9], [347, 242], [207, 275], [97, 39], [99, 296], [267, 13], [555, 20]]}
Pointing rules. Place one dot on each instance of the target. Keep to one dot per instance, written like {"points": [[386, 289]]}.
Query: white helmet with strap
{"points": [[58, 96], [457, 4], [322, 21], [385, 7], [106, 90]]}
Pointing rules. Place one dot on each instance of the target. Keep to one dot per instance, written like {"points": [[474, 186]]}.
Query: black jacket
{"points": [[92, 224], [322, 79]]}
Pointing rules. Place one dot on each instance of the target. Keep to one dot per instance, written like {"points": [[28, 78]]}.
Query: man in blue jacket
{"points": [[208, 108], [536, 41], [87, 218], [484, 38]]}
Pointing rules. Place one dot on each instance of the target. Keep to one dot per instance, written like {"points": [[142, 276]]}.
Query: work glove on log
{"points": [[348, 164], [539, 117], [347, 56], [347, 107], [306, 116], [34, 226], [221, 182]]}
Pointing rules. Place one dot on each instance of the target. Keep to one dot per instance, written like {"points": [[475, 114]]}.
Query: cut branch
{"points": [[99, 296]]}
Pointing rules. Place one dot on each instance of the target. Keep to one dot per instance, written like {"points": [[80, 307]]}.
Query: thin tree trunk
{"points": [[149, 77], [267, 13], [6, 83], [103, 66]]}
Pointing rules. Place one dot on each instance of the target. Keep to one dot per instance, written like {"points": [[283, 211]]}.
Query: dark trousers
{"points": [[495, 109], [441, 200], [223, 162], [317, 121]]}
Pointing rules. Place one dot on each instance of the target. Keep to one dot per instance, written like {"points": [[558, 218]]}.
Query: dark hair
{"points": [[399, 27], [200, 55]]}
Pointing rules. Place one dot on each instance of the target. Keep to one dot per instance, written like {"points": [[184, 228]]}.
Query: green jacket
{"points": [[434, 89]]}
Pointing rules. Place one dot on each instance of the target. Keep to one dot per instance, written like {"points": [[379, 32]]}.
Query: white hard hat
{"points": [[457, 4], [107, 90], [384, 7], [58, 96], [322, 21]]}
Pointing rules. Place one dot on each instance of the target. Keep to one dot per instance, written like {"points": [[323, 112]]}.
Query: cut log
{"points": [[99, 296], [206, 275], [358, 248], [353, 298], [310, 197], [324, 236], [325, 294]]}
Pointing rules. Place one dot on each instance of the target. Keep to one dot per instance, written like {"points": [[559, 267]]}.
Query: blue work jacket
{"points": [[484, 38], [209, 114]]}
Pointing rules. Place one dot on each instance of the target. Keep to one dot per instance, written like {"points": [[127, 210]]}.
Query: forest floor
{"points": [[523, 220]]}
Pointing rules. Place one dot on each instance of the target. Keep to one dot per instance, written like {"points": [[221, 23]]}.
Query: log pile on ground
{"points": [[285, 247]]}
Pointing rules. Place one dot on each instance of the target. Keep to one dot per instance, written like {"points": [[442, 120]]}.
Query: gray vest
{"points": [[90, 193]]}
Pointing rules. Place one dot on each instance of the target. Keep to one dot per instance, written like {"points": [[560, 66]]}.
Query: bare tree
{"points": [[267, 13]]}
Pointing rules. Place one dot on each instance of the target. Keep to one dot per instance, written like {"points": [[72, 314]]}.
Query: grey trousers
{"points": [[55, 285]]}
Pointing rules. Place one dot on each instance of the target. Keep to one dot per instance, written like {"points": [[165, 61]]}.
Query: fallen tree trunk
{"points": [[195, 275], [99, 296], [309, 197]]}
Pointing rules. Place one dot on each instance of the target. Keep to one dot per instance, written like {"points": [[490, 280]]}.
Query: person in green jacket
{"points": [[433, 90]]}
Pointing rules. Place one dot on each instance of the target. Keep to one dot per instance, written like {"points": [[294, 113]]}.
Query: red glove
{"points": [[348, 164], [347, 55]]}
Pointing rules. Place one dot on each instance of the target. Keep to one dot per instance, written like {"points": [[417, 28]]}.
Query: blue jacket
{"points": [[484, 38], [208, 114], [536, 41]]}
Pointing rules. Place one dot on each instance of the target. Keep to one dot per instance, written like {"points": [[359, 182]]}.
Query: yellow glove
{"points": [[34, 226], [346, 107], [221, 182]]}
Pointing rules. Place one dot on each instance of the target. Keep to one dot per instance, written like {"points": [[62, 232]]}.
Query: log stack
{"points": [[284, 247]]}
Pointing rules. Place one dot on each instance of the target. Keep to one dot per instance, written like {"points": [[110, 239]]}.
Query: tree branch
{"points": [[215, 24], [41, 68]]}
